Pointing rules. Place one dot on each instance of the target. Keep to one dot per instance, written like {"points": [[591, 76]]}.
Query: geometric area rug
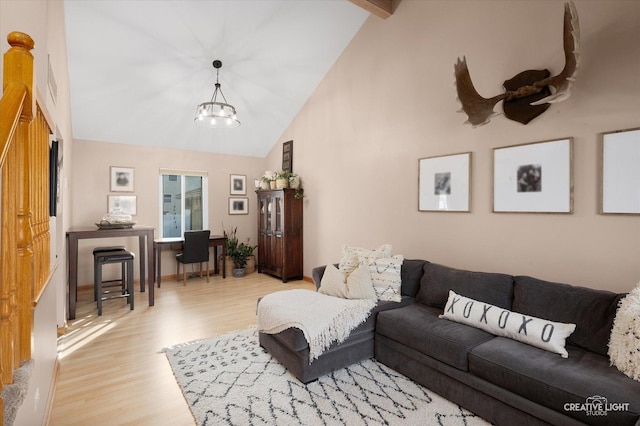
{"points": [[231, 380]]}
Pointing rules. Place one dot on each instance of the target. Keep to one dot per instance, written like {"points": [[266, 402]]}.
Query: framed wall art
{"points": [[126, 203], [444, 183], [238, 205], [620, 156], [238, 185], [54, 174], [533, 178], [287, 157], [121, 179]]}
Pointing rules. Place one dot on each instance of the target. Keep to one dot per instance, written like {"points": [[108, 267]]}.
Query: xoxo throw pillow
{"points": [[541, 333]]}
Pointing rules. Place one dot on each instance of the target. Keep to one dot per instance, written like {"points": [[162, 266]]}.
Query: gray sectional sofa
{"points": [[502, 380]]}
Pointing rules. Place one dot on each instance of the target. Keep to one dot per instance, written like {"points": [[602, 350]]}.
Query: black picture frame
{"points": [[53, 179], [238, 205], [238, 184], [287, 157]]}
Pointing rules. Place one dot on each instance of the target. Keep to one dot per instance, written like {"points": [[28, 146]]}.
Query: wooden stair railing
{"points": [[24, 211]]}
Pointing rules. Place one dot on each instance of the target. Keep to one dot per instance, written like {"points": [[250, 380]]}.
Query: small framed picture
{"points": [[533, 178], [287, 157], [121, 179], [238, 185], [620, 174], [125, 203], [238, 205], [444, 183]]}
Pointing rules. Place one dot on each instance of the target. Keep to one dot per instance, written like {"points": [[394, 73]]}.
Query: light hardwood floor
{"points": [[111, 370]]}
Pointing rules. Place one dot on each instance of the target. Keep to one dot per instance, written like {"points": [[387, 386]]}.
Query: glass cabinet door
{"points": [[278, 216], [268, 227]]}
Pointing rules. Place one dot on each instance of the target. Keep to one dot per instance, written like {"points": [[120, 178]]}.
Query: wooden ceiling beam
{"points": [[380, 8]]}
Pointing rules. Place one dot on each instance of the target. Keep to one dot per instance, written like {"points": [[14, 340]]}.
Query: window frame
{"points": [[161, 196]]}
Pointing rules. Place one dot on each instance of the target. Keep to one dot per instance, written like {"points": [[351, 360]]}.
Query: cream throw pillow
{"points": [[356, 285], [624, 342], [351, 256], [385, 275], [548, 335]]}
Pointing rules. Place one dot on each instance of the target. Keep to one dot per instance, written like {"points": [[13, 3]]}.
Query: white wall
{"points": [[390, 100]]}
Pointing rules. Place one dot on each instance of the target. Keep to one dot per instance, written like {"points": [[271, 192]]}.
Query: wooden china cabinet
{"points": [[280, 233]]}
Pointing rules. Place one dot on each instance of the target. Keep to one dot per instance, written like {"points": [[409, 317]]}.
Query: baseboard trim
{"points": [[52, 392]]}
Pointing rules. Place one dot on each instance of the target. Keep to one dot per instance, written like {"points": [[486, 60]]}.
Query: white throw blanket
{"points": [[322, 319]]}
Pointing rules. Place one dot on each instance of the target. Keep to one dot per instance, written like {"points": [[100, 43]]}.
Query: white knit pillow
{"points": [[356, 285], [351, 256], [385, 275], [624, 342]]}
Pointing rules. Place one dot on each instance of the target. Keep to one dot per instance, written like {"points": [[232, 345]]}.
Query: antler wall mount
{"points": [[529, 93]]}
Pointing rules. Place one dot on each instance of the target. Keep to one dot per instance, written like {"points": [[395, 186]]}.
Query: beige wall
{"points": [[90, 188], [390, 100]]}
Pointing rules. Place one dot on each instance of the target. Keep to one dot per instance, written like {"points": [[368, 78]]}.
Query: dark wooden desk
{"points": [[176, 244], [146, 248]]}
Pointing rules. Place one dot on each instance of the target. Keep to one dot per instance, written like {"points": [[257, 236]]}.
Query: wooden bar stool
{"points": [[125, 258]]}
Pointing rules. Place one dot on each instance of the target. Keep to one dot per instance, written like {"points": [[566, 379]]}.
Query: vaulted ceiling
{"points": [[138, 69]]}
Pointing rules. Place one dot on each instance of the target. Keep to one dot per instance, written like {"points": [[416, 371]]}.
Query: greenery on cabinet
{"points": [[279, 180]]}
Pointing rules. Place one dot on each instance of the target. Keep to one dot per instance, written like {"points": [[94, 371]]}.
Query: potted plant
{"points": [[240, 256], [294, 181], [265, 182], [282, 180], [238, 252]]}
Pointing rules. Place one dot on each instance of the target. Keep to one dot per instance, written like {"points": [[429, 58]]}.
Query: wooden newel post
{"points": [[18, 68]]}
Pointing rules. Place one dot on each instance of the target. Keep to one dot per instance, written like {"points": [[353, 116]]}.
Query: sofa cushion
{"points": [[418, 327], [385, 276], [624, 345], [411, 274], [539, 332], [437, 280], [356, 285], [556, 382], [592, 311], [351, 256]]}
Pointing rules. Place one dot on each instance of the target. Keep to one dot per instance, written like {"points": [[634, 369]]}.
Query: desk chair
{"points": [[194, 250]]}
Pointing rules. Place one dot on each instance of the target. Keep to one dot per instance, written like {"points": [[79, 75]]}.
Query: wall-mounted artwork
{"points": [[529, 93], [121, 179], [54, 175], [533, 178], [287, 157], [238, 185], [444, 183], [238, 205], [125, 203], [620, 193]]}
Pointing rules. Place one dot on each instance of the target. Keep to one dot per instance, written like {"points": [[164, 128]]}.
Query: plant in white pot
{"points": [[294, 181]]}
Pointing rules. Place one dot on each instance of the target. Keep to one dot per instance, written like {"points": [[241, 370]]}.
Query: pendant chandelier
{"points": [[218, 115]]}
